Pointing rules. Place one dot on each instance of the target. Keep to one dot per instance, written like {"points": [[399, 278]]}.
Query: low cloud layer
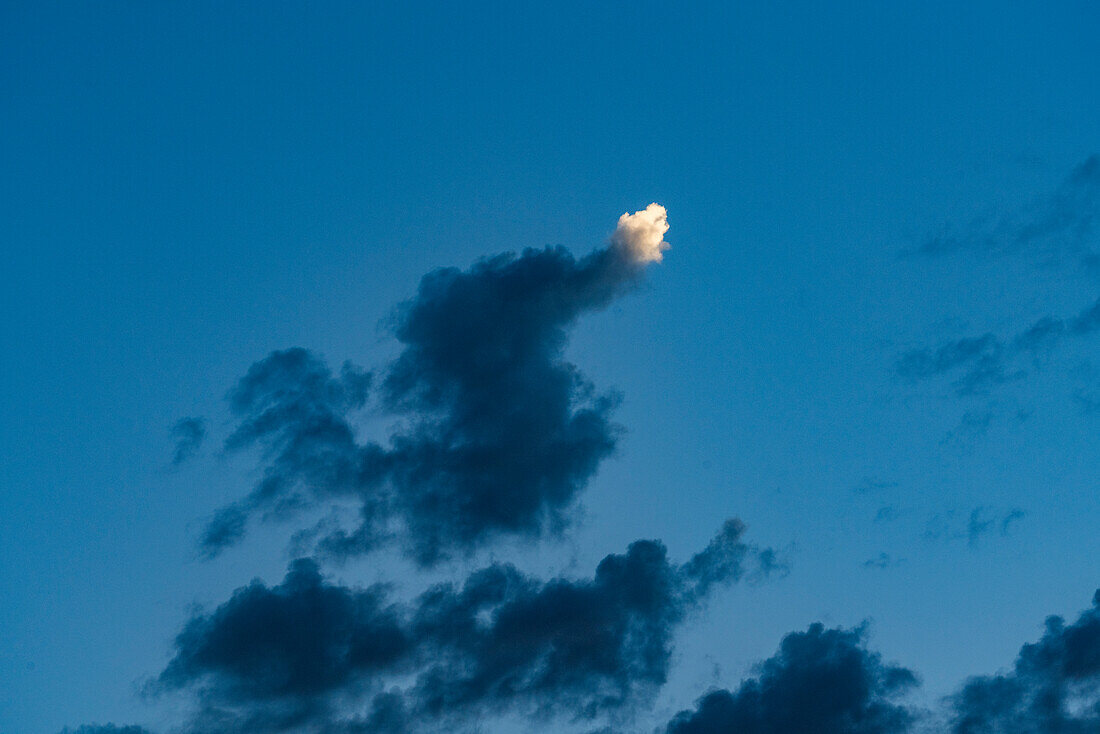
{"points": [[300, 654], [498, 433], [309, 656]]}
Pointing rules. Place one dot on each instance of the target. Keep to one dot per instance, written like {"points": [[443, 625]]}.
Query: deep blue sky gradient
{"points": [[187, 187]]}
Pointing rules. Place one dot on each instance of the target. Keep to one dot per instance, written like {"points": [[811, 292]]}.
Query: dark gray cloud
{"points": [[295, 641], [825, 681], [1053, 688], [1058, 225], [822, 681], [498, 433], [294, 407], [188, 433], [295, 655]]}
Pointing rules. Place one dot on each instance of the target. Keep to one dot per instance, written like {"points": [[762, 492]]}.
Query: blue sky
{"points": [[189, 187]]}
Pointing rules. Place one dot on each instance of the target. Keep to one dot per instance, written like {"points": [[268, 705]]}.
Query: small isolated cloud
{"points": [[641, 234], [883, 561], [872, 485], [979, 522], [497, 433], [887, 513], [188, 433]]}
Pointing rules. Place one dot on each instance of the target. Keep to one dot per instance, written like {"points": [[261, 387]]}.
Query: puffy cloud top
{"points": [[641, 234]]}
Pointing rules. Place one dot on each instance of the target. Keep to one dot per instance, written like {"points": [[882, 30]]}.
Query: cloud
{"points": [[188, 434], [983, 358], [292, 641], [883, 561], [887, 513], [105, 729], [306, 652], [825, 681], [982, 362], [1061, 222], [641, 234], [497, 434], [822, 681], [980, 522], [1054, 685], [292, 405], [983, 520]]}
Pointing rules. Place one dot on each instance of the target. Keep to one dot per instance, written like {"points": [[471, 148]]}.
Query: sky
{"points": [[527, 367]]}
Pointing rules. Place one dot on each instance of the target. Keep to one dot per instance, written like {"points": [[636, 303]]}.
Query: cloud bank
{"points": [[297, 656]]}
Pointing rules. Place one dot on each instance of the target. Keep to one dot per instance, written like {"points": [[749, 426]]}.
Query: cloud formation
{"points": [[498, 433], [313, 657], [1054, 685], [303, 653], [188, 434], [825, 681], [1062, 222], [822, 681], [642, 234], [978, 363]]}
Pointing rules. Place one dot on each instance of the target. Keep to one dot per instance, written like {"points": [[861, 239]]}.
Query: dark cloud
{"points": [[306, 652], [105, 729], [825, 681], [1062, 223], [188, 434], [822, 681], [1054, 686], [498, 433], [289, 642]]}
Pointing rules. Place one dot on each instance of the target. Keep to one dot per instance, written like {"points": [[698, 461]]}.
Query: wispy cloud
{"points": [[1060, 224], [188, 433], [977, 364]]}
